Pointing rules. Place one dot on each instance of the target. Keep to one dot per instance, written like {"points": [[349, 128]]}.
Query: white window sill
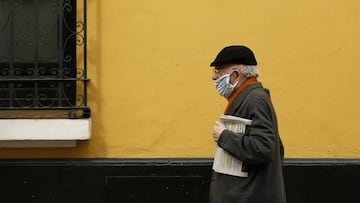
{"points": [[43, 132]]}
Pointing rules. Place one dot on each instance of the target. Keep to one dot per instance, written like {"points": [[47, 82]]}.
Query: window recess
{"points": [[43, 59]]}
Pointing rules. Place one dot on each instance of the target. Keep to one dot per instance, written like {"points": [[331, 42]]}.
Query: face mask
{"points": [[223, 86]]}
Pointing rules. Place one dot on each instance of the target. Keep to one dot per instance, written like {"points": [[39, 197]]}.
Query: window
{"points": [[42, 59]]}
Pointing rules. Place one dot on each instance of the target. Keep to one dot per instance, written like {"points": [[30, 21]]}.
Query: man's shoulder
{"points": [[257, 89], [257, 92]]}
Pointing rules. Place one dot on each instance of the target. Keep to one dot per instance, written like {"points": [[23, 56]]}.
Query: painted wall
{"points": [[151, 92]]}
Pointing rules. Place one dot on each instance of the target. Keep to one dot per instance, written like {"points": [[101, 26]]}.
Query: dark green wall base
{"points": [[161, 180]]}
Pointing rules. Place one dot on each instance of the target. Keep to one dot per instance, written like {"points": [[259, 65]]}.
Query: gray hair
{"points": [[249, 70]]}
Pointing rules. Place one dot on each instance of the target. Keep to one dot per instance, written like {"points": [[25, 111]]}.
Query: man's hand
{"points": [[219, 127]]}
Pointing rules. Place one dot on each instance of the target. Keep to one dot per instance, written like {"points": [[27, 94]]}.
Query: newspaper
{"points": [[223, 161]]}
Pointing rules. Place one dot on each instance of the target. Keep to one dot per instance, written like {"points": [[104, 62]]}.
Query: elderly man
{"points": [[260, 148]]}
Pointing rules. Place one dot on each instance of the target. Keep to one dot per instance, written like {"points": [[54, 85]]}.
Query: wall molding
{"points": [[167, 161]]}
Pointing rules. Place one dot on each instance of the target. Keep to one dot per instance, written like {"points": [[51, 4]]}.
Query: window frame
{"points": [[72, 71]]}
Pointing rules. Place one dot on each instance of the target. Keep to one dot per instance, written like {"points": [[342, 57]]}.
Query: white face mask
{"points": [[224, 87]]}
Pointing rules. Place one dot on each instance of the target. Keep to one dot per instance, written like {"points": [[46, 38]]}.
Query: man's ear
{"points": [[236, 74]]}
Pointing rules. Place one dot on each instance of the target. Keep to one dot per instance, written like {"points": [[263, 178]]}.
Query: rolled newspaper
{"points": [[223, 161]]}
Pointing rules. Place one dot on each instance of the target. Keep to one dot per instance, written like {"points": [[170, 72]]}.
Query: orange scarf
{"points": [[238, 91]]}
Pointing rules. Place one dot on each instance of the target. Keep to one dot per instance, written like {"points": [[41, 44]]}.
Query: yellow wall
{"points": [[151, 92]]}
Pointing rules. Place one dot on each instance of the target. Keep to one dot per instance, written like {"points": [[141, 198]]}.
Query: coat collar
{"points": [[238, 101]]}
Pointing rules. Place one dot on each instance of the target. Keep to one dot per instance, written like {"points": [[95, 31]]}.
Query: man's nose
{"points": [[214, 76]]}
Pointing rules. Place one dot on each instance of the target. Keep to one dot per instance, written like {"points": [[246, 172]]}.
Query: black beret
{"points": [[235, 55]]}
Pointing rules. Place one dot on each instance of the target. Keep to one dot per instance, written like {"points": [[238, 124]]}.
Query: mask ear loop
{"points": [[238, 73]]}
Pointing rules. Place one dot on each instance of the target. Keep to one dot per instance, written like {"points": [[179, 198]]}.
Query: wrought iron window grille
{"points": [[43, 67]]}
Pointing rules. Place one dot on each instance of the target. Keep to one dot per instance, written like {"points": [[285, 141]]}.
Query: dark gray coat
{"points": [[261, 150]]}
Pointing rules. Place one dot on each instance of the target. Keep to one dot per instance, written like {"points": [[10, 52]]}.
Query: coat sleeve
{"points": [[257, 144]]}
